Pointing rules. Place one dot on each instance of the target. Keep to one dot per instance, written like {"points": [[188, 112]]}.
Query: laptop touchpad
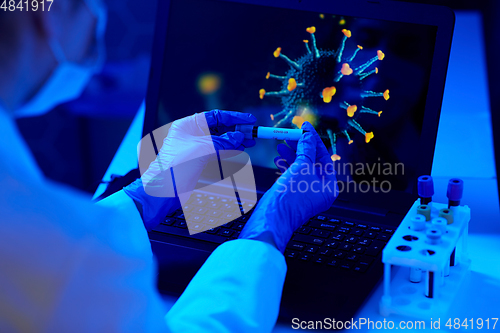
{"points": [[177, 265]]}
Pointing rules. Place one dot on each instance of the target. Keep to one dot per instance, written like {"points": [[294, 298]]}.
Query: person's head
{"points": [[41, 49]]}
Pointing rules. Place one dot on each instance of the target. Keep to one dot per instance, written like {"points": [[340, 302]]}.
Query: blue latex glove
{"points": [[307, 188], [191, 142]]}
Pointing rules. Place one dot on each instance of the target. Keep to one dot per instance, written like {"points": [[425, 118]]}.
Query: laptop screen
{"points": [[361, 82]]}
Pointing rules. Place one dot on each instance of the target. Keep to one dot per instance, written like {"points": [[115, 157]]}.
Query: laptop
{"points": [[240, 55]]}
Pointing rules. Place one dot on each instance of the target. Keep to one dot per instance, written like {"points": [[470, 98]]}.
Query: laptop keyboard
{"points": [[338, 243], [322, 240]]}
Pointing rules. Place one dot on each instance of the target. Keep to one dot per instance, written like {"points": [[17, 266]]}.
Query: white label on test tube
{"points": [[279, 133]]}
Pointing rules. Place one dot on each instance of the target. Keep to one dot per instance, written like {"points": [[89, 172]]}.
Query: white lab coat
{"points": [[67, 265]]}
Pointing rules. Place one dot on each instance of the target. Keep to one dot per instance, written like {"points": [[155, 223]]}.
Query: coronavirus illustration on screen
{"points": [[325, 88]]}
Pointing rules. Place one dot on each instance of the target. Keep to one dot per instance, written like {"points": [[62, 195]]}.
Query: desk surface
{"points": [[464, 149]]}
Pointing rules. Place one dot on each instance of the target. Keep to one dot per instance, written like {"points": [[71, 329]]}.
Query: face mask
{"points": [[69, 79]]}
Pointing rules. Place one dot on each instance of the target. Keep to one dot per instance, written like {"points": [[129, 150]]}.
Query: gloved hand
{"points": [[191, 142], [307, 188]]}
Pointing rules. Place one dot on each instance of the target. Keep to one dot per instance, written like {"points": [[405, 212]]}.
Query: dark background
{"points": [[75, 143]]}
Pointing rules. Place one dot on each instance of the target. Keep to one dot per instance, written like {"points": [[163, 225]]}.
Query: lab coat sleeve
{"points": [[238, 289]]}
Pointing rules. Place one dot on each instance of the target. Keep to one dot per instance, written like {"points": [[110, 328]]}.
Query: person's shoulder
{"points": [[46, 212], [34, 202]]}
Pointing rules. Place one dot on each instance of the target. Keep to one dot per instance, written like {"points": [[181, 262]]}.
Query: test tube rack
{"points": [[410, 249]]}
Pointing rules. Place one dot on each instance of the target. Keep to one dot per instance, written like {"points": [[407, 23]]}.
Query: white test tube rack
{"points": [[409, 249]]}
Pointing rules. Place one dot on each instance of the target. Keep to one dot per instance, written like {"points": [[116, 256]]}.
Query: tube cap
{"points": [[417, 222], [425, 187], [455, 189], [440, 223], [425, 211], [447, 214], [433, 236]]}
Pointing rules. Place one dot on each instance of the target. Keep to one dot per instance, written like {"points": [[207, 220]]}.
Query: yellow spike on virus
{"points": [[351, 141], [292, 84], [360, 47], [277, 52], [347, 33], [262, 92], [321, 16], [311, 30], [335, 157], [346, 69], [298, 121], [351, 110], [342, 22], [268, 75], [386, 94], [272, 116], [381, 55], [305, 41], [368, 136], [379, 113], [376, 70], [328, 93]]}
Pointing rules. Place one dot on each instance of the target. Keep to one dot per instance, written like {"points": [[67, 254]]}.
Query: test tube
{"points": [[262, 132], [415, 274], [447, 268], [441, 223], [452, 258], [433, 238], [430, 282], [417, 224], [425, 190], [454, 193]]}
